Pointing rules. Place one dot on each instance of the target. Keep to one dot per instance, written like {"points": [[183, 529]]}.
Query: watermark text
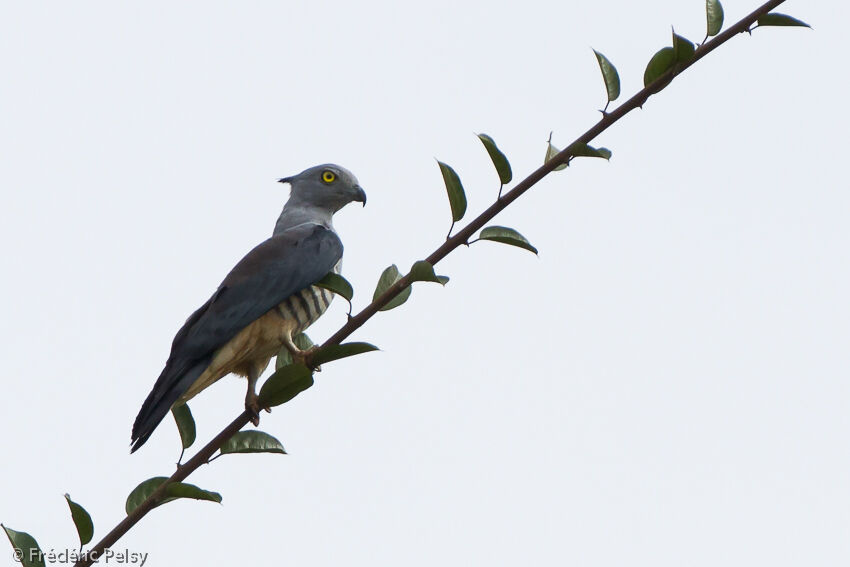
{"points": [[69, 556]]}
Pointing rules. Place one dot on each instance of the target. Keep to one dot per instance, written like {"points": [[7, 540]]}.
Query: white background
{"points": [[667, 384]]}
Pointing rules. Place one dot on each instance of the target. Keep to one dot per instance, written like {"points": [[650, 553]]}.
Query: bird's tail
{"points": [[168, 388]]}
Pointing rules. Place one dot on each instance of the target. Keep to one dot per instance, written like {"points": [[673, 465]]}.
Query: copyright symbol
{"points": [[19, 554]]}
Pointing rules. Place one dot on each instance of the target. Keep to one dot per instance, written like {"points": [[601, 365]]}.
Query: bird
{"points": [[265, 300]]}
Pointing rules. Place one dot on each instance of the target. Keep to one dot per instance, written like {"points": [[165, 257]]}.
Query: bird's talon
{"points": [[252, 406]]}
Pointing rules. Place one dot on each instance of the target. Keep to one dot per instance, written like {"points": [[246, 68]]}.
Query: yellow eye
{"points": [[328, 176]]}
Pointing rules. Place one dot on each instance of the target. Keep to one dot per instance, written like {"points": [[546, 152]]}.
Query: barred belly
{"points": [[305, 307]]}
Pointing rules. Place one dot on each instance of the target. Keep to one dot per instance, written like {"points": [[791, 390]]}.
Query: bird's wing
{"points": [[267, 275], [277, 268]]}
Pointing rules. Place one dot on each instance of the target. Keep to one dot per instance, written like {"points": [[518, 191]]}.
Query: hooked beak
{"points": [[359, 195]]}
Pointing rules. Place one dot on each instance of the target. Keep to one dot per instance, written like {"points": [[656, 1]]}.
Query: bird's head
{"points": [[326, 186]]}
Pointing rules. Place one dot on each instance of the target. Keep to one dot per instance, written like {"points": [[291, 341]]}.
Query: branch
{"points": [[183, 471], [463, 235], [460, 238]]}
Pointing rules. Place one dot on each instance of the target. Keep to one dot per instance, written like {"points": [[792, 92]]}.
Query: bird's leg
{"points": [[252, 403]]}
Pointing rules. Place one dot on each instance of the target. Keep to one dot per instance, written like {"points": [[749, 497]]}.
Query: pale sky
{"points": [[666, 385]]}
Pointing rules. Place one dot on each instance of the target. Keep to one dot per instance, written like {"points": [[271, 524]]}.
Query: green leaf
{"points": [[26, 549], [337, 284], [185, 490], [252, 442], [335, 352], [584, 150], [684, 48], [390, 276], [141, 493], [609, 75], [185, 424], [82, 520], [457, 198], [578, 150], [500, 162], [285, 384], [714, 17], [422, 271], [552, 151], [172, 492], [776, 19], [660, 63], [506, 235], [284, 357]]}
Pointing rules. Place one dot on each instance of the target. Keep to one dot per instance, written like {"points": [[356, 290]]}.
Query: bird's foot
{"points": [[252, 406], [303, 357]]}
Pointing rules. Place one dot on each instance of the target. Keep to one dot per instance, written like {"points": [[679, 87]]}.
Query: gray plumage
{"points": [[265, 299]]}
